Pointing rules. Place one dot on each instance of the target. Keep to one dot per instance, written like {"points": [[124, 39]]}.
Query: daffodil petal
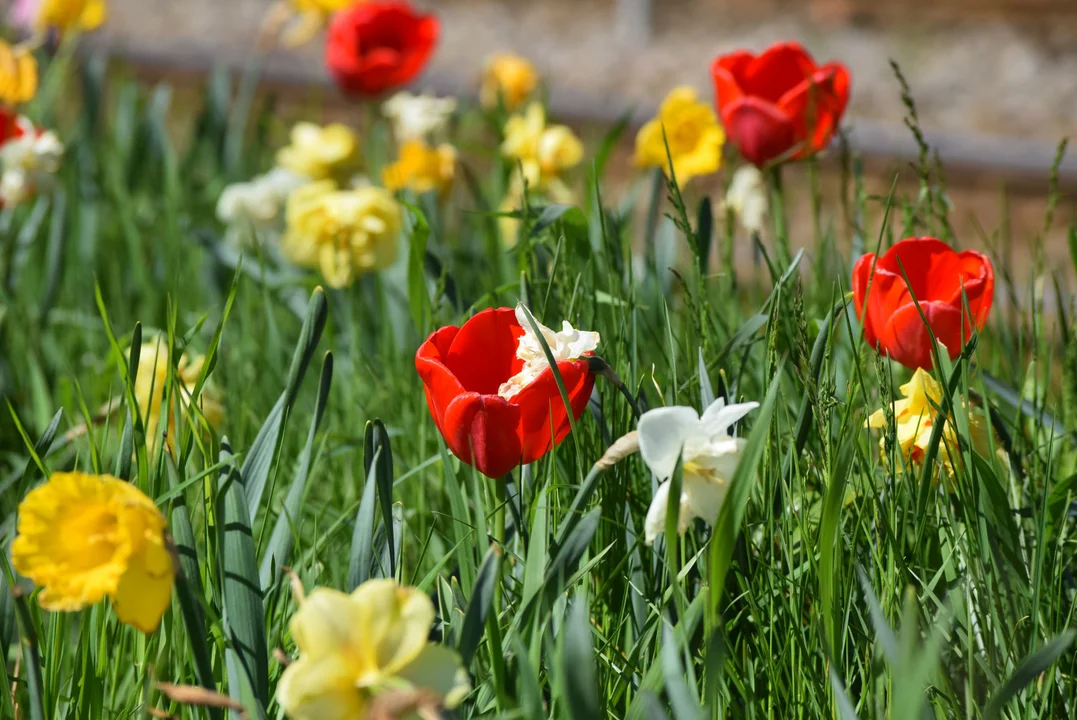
{"points": [[662, 434]]}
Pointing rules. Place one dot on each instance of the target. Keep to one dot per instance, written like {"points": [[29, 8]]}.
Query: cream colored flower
{"points": [[320, 153], [150, 382], [691, 129], [567, 345], [344, 233], [29, 160], [747, 198], [83, 538], [258, 203], [355, 648], [709, 457], [418, 117], [510, 77]]}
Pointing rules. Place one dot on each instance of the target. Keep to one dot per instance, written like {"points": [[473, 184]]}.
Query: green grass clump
{"points": [[836, 583]]}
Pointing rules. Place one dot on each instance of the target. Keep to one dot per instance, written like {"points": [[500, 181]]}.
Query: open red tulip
{"points": [[779, 105], [939, 277], [494, 400], [377, 46]]}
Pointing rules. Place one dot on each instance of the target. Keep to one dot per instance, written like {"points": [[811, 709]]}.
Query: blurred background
{"points": [[994, 81]]}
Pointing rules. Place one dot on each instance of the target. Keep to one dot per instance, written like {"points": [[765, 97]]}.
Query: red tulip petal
{"points": [[861, 280], [483, 353], [542, 410], [816, 105], [726, 70], [928, 263], [441, 386], [977, 278], [908, 341], [481, 431], [761, 131], [777, 71]]}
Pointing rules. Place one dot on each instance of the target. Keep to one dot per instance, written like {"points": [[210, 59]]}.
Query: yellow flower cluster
{"points": [[914, 416], [153, 364], [422, 168], [70, 14], [542, 154], [83, 538], [359, 648], [18, 74], [508, 78], [343, 232], [321, 153], [690, 127]]}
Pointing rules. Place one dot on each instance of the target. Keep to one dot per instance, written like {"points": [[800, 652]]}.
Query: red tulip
{"points": [[937, 275], [376, 46], [779, 105], [465, 371]]}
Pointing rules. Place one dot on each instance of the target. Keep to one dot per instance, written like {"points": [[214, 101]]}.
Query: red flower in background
{"points": [[779, 105], [492, 413], [376, 46], [937, 274]]}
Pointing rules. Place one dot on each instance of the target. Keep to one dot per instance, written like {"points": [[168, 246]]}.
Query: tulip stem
{"points": [[781, 229]]}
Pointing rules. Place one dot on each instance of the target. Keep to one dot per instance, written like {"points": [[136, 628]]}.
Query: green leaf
{"points": [[568, 214], [681, 701], [418, 297], [727, 528], [577, 666], [479, 605], [384, 479], [1030, 668], [246, 656], [279, 549], [263, 451], [361, 557]]}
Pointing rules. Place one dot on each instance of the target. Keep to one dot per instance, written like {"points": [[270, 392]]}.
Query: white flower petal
{"points": [[662, 434], [719, 416], [701, 498], [656, 514]]}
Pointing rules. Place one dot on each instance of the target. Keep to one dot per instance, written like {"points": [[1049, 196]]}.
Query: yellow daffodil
{"points": [[83, 538], [542, 154], [691, 128], [510, 77], [320, 153], [68, 14], [18, 74], [153, 363], [914, 417], [543, 151], [355, 648], [422, 168], [344, 233]]}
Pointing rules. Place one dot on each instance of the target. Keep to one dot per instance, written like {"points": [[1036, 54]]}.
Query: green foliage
{"points": [[541, 579]]}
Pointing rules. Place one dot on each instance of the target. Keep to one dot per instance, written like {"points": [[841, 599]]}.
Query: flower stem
{"points": [[600, 367], [781, 228]]}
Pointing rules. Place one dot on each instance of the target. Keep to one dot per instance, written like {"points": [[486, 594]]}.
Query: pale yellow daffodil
{"points": [[320, 153], [344, 233], [355, 648]]}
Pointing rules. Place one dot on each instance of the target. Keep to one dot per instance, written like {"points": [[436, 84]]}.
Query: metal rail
{"points": [[1023, 163]]}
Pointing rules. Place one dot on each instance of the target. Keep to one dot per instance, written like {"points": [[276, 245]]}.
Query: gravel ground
{"points": [[988, 79]]}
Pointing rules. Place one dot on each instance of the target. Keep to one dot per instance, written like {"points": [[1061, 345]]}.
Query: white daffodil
{"points": [[569, 344], [747, 198], [418, 117], [710, 455], [29, 160], [257, 203]]}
